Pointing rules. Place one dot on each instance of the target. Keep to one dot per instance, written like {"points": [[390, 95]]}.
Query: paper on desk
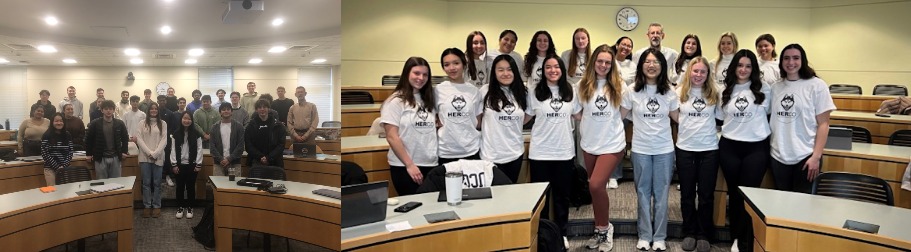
{"points": [[398, 226]]}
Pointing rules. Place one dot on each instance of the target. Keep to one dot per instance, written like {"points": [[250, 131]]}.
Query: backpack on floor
{"points": [[549, 238], [578, 192], [204, 232]]}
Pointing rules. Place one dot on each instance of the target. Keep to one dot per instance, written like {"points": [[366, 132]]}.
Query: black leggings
{"points": [[559, 173], [474, 156], [402, 181], [743, 164], [512, 169], [186, 181], [697, 171], [792, 177]]}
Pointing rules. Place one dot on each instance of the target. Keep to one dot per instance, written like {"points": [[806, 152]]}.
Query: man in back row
{"points": [[303, 118]]}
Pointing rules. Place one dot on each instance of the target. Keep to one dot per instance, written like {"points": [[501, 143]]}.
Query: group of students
{"points": [[227, 130], [765, 107]]}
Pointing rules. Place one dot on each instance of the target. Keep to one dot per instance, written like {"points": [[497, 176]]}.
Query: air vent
{"points": [[23, 62], [20, 47], [164, 56], [302, 47]]}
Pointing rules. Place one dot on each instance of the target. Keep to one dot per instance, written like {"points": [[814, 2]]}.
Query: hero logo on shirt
{"points": [[699, 105], [742, 115], [601, 103], [481, 76], [557, 105], [537, 78], [422, 121], [509, 119], [786, 115], [458, 103], [652, 105], [581, 70]]}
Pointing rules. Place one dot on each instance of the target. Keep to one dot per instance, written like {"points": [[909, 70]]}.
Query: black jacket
{"points": [[265, 138], [94, 138]]}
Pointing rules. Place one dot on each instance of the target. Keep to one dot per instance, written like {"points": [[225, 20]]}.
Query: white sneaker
{"points": [[189, 213], [659, 246], [169, 181], [642, 245], [565, 242], [734, 247], [179, 212], [612, 184]]}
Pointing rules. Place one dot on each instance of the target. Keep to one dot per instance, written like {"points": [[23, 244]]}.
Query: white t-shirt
{"points": [[651, 123], [132, 120], [501, 132], [536, 73], [552, 133], [458, 106], [520, 62], [669, 54], [417, 129], [225, 129], [627, 71], [795, 105], [744, 120], [601, 128], [769, 71], [696, 131], [722, 70], [482, 65], [580, 68]]}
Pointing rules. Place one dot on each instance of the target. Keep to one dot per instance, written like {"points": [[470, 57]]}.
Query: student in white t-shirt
{"points": [[575, 58], [507, 45], [409, 117], [551, 151], [478, 63], [652, 105], [627, 68], [690, 48], [768, 61], [727, 45], [458, 106], [744, 144], [505, 100], [603, 139], [801, 105], [697, 153], [541, 46]]}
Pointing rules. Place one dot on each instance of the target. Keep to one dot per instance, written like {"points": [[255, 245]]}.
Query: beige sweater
{"points": [[152, 142], [29, 130]]}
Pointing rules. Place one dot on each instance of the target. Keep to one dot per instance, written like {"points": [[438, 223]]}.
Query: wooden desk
{"points": [[880, 127], [357, 118], [508, 221], [9, 145], [379, 93], [370, 153], [788, 221], [859, 103], [32, 221], [6, 134], [332, 147], [299, 214], [883, 161]]}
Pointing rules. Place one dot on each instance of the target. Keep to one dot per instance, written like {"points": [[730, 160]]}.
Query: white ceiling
{"points": [[95, 32]]}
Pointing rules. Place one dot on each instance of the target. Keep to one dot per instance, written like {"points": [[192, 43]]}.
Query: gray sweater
{"points": [[236, 146]]}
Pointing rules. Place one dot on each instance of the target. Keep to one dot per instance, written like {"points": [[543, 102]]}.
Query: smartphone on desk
{"points": [[883, 115], [407, 207]]}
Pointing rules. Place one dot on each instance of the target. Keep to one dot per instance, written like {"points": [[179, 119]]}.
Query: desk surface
{"points": [[352, 144], [893, 153], [361, 107], [863, 97], [296, 189], [828, 214], [870, 116], [509, 202], [11, 202]]}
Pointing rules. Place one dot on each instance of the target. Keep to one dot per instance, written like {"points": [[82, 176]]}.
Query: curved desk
{"points": [[32, 221], [299, 214], [862, 103], [880, 127], [887, 162], [357, 118], [814, 223], [508, 221]]}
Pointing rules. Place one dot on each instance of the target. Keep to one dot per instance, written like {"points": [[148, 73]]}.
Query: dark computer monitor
{"points": [[364, 203]]}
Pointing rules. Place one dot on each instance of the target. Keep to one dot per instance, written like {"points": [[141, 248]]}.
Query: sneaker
{"points": [[169, 181], [189, 213], [156, 212], [601, 240], [612, 184], [734, 247], [678, 187], [642, 245], [565, 242], [703, 246], [146, 213], [179, 212], [689, 244], [659, 246]]}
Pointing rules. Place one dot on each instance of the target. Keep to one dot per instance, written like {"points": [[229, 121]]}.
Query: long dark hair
{"points": [[57, 137], [461, 55], [191, 135], [404, 90], [617, 50], [532, 54], [542, 91], [731, 79], [678, 67], [662, 82], [469, 49], [157, 119], [805, 71], [495, 94]]}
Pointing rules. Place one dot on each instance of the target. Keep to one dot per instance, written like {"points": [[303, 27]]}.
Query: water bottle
{"points": [[232, 173], [7, 124]]}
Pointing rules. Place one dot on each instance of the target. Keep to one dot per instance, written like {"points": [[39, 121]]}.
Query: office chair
{"points": [[273, 173], [845, 89], [390, 80], [900, 138], [356, 97], [890, 89], [853, 186], [74, 174], [858, 134], [332, 124], [352, 174]]}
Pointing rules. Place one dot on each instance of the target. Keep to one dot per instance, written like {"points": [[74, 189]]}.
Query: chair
{"points": [[390, 80], [356, 97], [72, 174], [435, 180], [900, 138], [352, 174], [890, 89], [273, 173], [859, 134], [845, 89], [853, 186], [332, 124]]}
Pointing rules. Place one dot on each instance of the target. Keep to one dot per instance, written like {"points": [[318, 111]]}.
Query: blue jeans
{"points": [[151, 185], [618, 171], [653, 179]]}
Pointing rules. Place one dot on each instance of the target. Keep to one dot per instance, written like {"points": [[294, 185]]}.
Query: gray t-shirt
{"points": [[108, 131]]}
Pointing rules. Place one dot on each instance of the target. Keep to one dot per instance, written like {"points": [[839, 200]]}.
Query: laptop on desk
{"points": [[303, 150], [364, 203]]}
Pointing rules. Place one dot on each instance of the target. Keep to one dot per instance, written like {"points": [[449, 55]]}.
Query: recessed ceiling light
{"points": [[277, 21], [3, 60], [136, 61], [69, 61], [196, 52], [277, 49], [131, 51], [47, 49], [51, 21], [165, 30], [318, 61], [189, 61], [255, 61]]}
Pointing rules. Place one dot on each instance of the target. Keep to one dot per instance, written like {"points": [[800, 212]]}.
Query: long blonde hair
{"points": [[588, 84], [721, 54], [709, 90]]}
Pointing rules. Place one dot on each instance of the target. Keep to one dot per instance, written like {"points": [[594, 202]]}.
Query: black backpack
{"points": [[578, 193], [204, 232], [549, 238]]}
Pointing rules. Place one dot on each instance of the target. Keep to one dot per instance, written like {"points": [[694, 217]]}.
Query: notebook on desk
{"points": [[106, 187], [364, 203]]}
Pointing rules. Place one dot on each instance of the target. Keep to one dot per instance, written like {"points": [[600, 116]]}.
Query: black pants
{"points": [[512, 169], [167, 161], [402, 181], [743, 164], [474, 156], [697, 171], [559, 173], [792, 177], [186, 181]]}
